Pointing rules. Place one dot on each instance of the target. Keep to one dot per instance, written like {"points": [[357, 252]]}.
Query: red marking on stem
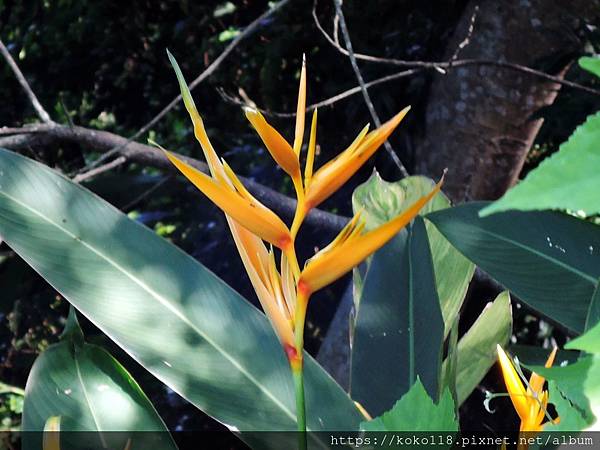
{"points": [[304, 288], [293, 356]]}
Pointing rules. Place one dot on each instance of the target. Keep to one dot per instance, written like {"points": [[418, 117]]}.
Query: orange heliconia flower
{"points": [[530, 402], [284, 291]]}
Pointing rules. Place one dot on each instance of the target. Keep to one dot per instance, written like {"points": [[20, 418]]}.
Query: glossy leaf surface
{"points": [[170, 313], [549, 260]]}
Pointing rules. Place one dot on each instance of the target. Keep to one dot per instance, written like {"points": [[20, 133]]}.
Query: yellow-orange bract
{"points": [[531, 402], [284, 292]]}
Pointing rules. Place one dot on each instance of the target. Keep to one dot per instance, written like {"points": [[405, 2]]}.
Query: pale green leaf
{"points": [[415, 412], [477, 347]]}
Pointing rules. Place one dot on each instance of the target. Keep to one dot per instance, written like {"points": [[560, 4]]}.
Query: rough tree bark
{"points": [[479, 119]]}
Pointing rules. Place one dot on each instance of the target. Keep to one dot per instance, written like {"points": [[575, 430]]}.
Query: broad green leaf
{"points": [[477, 348], [399, 329], [588, 342], [570, 417], [549, 260], [381, 201], [90, 391], [591, 64], [578, 382], [170, 313], [567, 180], [415, 412]]}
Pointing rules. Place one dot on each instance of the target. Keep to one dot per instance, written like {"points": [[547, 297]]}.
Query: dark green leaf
{"points": [[399, 328], [593, 315], [549, 260], [170, 313]]}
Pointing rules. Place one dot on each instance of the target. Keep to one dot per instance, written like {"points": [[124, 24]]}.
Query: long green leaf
{"points": [[399, 331], [549, 260], [170, 313], [477, 348], [91, 392], [567, 180]]}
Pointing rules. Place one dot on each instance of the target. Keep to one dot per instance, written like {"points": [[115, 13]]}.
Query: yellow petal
{"points": [[255, 258], [288, 283], [536, 382], [51, 437], [300, 110], [261, 221], [327, 267], [334, 174], [312, 146], [514, 386], [278, 147], [199, 130]]}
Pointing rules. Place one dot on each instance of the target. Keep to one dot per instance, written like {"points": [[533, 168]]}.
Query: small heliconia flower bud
{"points": [[529, 402]]}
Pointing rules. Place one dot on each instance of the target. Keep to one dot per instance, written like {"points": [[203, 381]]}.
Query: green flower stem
{"points": [[297, 365], [300, 407]]}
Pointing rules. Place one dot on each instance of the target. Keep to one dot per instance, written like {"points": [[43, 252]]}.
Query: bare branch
{"points": [[328, 101], [39, 109], [199, 79], [467, 38], [443, 66], [361, 82], [104, 141]]}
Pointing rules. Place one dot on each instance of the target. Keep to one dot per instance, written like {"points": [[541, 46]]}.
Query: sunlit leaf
{"points": [[591, 64], [172, 315], [84, 386], [416, 411]]}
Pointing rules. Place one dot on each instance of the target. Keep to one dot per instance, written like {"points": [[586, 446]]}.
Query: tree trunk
{"points": [[480, 120]]}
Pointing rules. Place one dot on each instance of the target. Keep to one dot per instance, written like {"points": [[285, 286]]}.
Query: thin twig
{"points": [[39, 109], [199, 79], [361, 82], [129, 206], [443, 66], [100, 169], [328, 101], [467, 38]]}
